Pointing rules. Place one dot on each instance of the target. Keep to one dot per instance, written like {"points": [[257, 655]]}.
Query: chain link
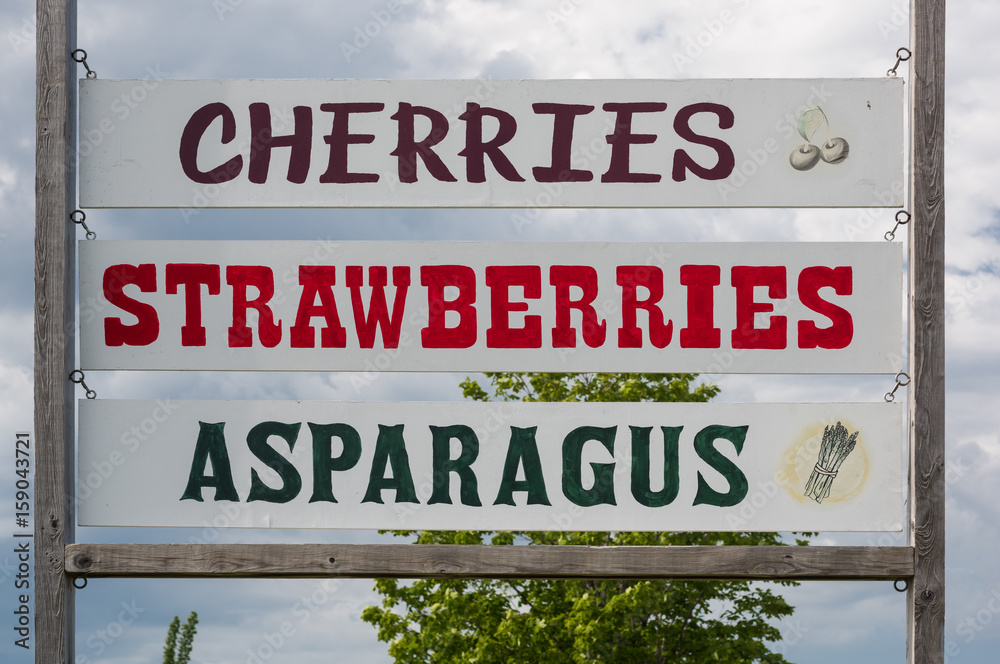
{"points": [[902, 218], [80, 55], [902, 55], [76, 376], [79, 217], [900, 382]]}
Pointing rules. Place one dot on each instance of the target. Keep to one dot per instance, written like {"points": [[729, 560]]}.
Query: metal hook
{"points": [[902, 55], [79, 217], [891, 235], [82, 59], [91, 394], [891, 395], [906, 585]]}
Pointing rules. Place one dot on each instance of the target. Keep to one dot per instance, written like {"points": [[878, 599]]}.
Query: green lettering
{"points": [[640, 466], [324, 463], [522, 451], [603, 491], [444, 465], [291, 481], [704, 446], [390, 449], [211, 445]]}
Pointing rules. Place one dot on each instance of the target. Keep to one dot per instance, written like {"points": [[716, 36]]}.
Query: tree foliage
{"points": [[180, 640], [566, 621]]}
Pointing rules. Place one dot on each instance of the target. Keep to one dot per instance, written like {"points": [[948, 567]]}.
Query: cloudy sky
{"points": [[123, 621]]}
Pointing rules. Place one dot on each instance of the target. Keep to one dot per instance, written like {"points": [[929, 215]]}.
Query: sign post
{"points": [[55, 275], [925, 594], [59, 560]]}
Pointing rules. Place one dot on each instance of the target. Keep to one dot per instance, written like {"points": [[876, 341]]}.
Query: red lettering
{"points": [[564, 116], [191, 137], [500, 278], [300, 142], [701, 281], [841, 330], [407, 148], [437, 334], [240, 277], [623, 138], [378, 310], [683, 162], [563, 334], [630, 277], [340, 137], [476, 150], [147, 328], [746, 335], [192, 276], [317, 280]]}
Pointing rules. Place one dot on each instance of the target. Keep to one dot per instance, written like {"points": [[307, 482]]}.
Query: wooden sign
{"points": [[491, 466], [487, 143], [459, 306]]}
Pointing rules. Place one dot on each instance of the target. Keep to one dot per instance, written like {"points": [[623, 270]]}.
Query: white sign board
{"points": [[488, 143], [491, 466], [458, 306]]}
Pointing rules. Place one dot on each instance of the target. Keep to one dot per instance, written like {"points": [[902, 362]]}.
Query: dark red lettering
{"points": [[841, 330], [300, 142], [564, 116], [147, 328], [476, 151], [192, 276], [241, 277], [623, 138], [408, 149], [683, 162], [191, 137], [746, 335], [317, 280], [563, 277], [701, 281], [378, 311], [500, 278], [340, 137], [436, 278], [630, 277]]}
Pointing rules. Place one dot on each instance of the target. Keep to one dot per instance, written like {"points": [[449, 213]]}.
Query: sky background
{"points": [[122, 621]]}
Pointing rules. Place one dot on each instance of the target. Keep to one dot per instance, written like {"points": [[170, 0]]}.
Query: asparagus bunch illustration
{"points": [[837, 444]]}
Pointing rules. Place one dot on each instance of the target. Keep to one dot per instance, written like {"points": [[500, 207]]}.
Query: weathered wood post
{"points": [[925, 597], [55, 269]]}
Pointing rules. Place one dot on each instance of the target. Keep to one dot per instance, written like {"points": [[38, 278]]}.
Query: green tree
{"points": [[568, 621], [180, 640]]}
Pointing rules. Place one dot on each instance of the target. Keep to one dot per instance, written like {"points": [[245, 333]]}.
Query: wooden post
{"points": [[925, 597], [55, 269]]}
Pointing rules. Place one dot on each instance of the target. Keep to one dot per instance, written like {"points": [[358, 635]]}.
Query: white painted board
{"points": [[491, 466], [565, 307], [195, 144]]}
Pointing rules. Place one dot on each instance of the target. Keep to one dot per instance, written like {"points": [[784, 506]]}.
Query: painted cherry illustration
{"points": [[833, 150], [804, 157]]}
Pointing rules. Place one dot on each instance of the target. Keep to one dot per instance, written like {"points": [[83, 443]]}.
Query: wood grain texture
{"points": [[925, 598], [55, 250], [484, 561]]}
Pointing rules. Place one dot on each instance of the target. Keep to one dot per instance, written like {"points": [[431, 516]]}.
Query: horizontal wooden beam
{"points": [[489, 562]]}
